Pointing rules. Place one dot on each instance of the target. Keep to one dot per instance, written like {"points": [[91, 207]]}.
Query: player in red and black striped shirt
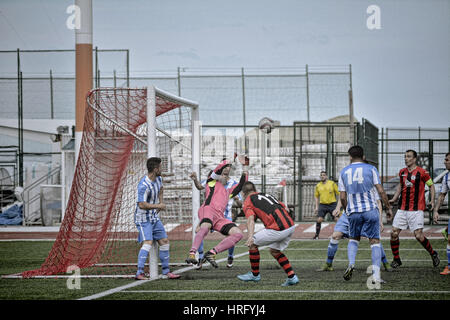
{"points": [[411, 190], [279, 227]]}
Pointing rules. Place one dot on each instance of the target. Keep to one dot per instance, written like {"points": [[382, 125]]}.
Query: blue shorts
{"points": [[342, 225], [151, 231], [364, 224]]}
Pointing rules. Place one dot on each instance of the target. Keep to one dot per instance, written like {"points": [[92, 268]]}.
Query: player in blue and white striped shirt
{"points": [[357, 194], [149, 203], [445, 188]]}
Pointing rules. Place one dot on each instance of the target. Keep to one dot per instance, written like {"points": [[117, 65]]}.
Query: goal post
{"points": [[152, 128], [122, 128]]}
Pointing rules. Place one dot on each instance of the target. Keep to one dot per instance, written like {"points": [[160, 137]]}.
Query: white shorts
{"points": [[278, 240], [408, 219]]}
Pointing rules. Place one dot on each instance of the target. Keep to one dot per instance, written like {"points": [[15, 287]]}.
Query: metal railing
{"points": [[32, 195]]}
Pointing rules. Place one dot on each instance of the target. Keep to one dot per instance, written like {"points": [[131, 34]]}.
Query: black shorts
{"points": [[326, 208], [226, 228]]}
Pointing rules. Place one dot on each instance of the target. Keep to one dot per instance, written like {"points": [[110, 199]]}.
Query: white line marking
{"points": [[312, 229], [286, 291], [140, 282], [170, 226]]}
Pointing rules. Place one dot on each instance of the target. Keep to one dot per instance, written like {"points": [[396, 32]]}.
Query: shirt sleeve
{"points": [[444, 185], [248, 209], [336, 191], [426, 178], [316, 192], [142, 193], [376, 176], [341, 185]]}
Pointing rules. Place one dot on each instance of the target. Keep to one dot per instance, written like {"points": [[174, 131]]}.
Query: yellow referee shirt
{"points": [[327, 192]]}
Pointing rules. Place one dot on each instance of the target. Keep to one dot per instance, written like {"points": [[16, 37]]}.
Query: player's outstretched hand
{"points": [[435, 216], [244, 159], [336, 212], [389, 215], [193, 176]]}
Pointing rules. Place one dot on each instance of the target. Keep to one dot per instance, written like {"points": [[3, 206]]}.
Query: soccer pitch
{"points": [[415, 279]]}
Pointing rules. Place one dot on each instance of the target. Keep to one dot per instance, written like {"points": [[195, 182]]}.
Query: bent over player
{"points": [[150, 227], [211, 212], [279, 227]]}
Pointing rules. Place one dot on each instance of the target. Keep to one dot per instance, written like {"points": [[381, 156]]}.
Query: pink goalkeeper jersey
{"points": [[217, 196]]}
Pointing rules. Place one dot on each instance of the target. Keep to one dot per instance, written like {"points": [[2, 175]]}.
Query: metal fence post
{"points": [[51, 95]]}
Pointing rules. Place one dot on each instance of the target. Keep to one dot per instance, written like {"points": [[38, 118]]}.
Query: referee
{"points": [[325, 198]]}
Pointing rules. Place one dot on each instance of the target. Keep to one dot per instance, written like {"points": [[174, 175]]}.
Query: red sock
{"points": [[427, 245], [284, 263], [254, 260], [395, 245]]}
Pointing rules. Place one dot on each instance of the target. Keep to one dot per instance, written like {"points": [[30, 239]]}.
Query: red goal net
{"points": [[98, 234]]}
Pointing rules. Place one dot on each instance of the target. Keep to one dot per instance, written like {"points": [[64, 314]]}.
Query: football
{"points": [[266, 124]]}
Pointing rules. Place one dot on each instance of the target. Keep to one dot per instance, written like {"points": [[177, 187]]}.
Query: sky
{"points": [[400, 72]]}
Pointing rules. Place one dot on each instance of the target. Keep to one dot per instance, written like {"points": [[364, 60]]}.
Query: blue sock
{"points": [[142, 258], [164, 257], [231, 252], [200, 251], [383, 254], [448, 254], [332, 248], [352, 250], [376, 258]]}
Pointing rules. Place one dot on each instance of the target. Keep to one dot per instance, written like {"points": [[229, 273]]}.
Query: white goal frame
{"points": [[152, 93]]}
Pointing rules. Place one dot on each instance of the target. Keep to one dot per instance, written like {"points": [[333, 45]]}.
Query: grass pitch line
{"points": [[289, 291], [140, 282]]}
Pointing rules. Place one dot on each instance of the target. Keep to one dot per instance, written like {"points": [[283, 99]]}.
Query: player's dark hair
{"points": [[413, 152], [356, 152], [153, 163], [248, 187], [323, 171], [447, 154]]}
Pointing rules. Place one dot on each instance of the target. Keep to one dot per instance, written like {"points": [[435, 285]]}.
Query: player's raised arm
{"points": [[197, 183], [234, 191]]}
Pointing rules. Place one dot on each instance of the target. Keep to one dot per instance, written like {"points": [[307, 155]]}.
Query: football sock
{"points": [[427, 245], [200, 251], [318, 225], [352, 250], [383, 254], [142, 257], [231, 251], [198, 239], [284, 263], [395, 247], [228, 242], [332, 248], [376, 258], [164, 258], [448, 254], [254, 260]]}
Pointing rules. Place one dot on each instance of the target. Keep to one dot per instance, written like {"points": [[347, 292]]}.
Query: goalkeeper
{"points": [[210, 213]]}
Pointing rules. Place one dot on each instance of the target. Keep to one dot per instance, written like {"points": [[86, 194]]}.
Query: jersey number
{"points": [[266, 197], [357, 176]]}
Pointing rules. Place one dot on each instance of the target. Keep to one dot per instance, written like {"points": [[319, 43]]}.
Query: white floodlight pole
{"points": [[151, 152]]}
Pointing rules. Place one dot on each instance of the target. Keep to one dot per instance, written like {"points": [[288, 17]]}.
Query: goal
{"points": [[122, 128]]}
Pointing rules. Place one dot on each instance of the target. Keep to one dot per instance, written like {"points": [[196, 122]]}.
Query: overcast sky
{"points": [[401, 72]]}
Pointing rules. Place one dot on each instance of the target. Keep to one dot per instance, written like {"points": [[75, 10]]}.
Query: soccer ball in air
{"points": [[266, 124]]}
